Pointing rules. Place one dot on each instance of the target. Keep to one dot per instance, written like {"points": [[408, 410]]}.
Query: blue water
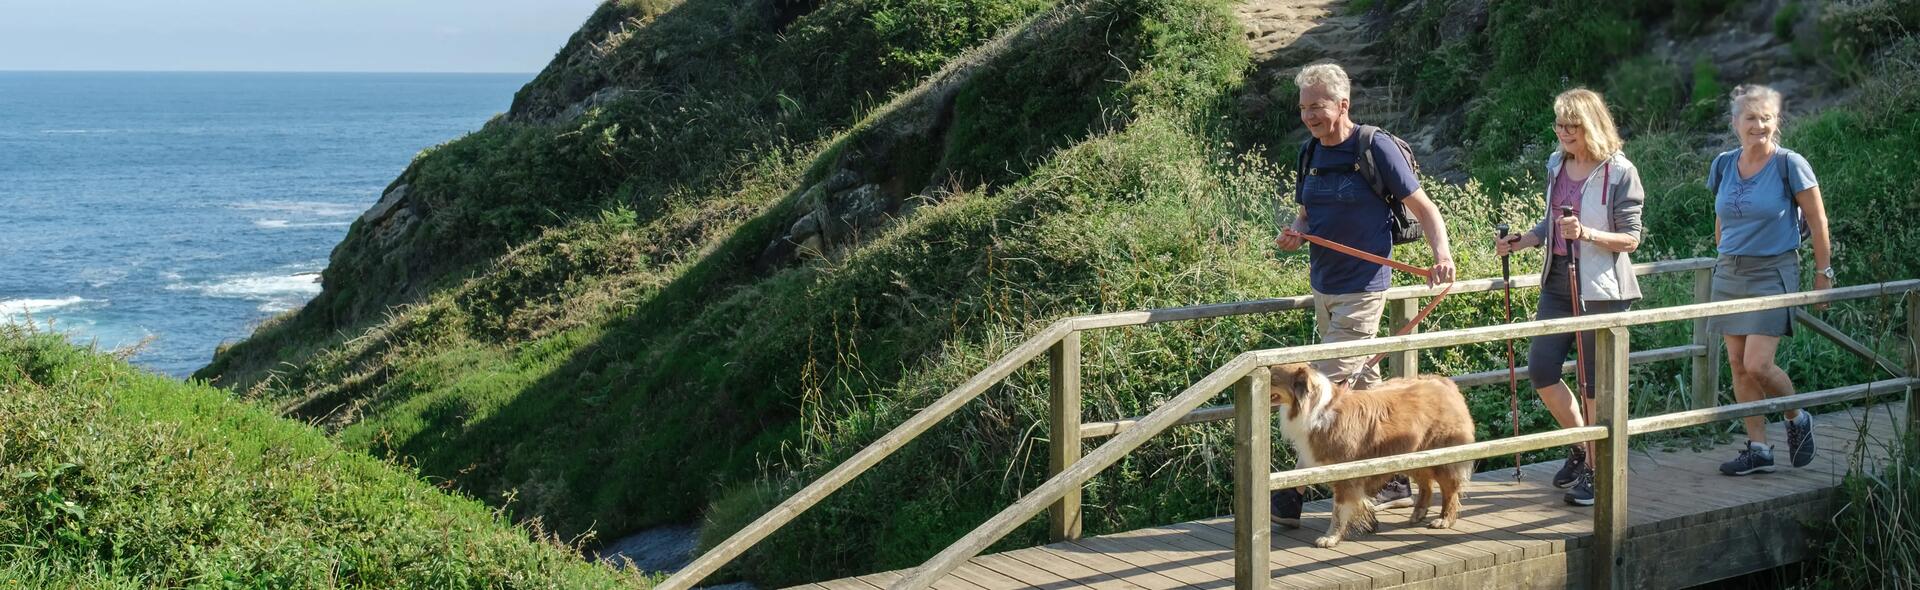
{"points": [[181, 209]]}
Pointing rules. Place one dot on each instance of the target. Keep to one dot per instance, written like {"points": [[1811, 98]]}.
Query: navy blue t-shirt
{"points": [[1341, 207]]}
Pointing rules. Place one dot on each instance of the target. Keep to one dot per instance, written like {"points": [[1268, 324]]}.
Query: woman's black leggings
{"points": [[1546, 353]]}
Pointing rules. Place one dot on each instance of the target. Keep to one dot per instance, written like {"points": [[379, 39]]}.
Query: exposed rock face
{"points": [[390, 218]]}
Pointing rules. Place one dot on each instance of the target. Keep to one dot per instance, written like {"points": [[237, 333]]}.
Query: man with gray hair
{"points": [[1357, 186]]}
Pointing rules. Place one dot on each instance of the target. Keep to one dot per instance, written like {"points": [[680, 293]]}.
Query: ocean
{"points": [[176, 211]]}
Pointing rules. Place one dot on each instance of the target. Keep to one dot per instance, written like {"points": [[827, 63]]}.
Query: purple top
{"points": [[1566, 193]]}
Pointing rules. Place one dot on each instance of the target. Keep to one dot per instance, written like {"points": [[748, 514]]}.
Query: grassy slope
{"points": [[616, 362], [113, 477]]}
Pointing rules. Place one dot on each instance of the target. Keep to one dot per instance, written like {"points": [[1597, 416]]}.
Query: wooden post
{"points": [[1404, 363], [1063, 360], [1706, 368], [1252, 467], [1610, 460], [1913, 358]]}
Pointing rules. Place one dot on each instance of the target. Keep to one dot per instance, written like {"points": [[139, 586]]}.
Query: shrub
{"points": [[1645, 91]]}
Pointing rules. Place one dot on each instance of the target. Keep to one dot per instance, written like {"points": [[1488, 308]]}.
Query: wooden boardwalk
{"points": [[1689, 525]]}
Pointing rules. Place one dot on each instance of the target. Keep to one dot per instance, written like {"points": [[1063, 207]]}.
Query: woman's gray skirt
{"points": [[1740, 277]]}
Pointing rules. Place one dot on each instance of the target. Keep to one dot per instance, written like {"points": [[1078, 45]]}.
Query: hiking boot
{"points": [[1571, 470], [1284, 507], [1800, 439], [1398, 493], [1581, 492], [1756, 458]]}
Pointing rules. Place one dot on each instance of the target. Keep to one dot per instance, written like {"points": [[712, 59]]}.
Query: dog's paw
{"points": [[1419, 516], [1326, 542], [1440, 523]]}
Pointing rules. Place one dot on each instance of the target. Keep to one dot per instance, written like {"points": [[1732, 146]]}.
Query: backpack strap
{"points": [[1368, 168]]}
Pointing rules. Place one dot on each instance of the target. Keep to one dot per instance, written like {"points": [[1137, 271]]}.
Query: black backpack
{"points": [[1405, 227], [1729, 162]]}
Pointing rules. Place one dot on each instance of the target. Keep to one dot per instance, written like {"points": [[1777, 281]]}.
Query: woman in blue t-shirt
{"points": [[1761, 193]]}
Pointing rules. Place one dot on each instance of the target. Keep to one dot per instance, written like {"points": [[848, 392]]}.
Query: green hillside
{"points": [[111, 477], [717, 246]]}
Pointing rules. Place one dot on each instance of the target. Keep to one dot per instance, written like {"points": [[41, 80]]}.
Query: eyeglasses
{"points": [[1568, 127]]}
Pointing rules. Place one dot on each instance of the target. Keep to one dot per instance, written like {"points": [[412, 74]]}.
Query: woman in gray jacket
{"points": [[1589, 174]]}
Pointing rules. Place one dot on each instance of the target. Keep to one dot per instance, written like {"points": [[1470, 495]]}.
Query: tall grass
{"points": [[111, 477]]}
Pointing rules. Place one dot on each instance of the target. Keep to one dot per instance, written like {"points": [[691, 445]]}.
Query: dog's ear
{"points": [[1278, 387], [1302, 380]]}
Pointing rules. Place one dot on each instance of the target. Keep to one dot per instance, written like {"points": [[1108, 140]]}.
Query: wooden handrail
{"points": [[1225, 412], [790, 509], [1353, 348], [1181, 405], [1567, 436], [1218, 310]]}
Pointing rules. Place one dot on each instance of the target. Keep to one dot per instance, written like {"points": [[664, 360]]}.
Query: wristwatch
{"points": [[1827, 272]]}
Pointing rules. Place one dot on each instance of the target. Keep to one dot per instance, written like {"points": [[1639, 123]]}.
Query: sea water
{"points": [[182, 209]]}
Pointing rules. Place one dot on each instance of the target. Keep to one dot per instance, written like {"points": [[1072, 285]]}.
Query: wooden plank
{"points": [[1063, 448], [1076, 552], [1411, 461], [1299, 568], [1041, 559], [1027, 574], [1405, 363], [1847, 342], [893, 440], [1370, 346], [1146, 556], [1499, 376], [981, 575], [1770, 405], [1706, 368], [1225, 411], [1610, 460], [1913, 359], [1106, 455], [1285, 539], [1216, 310], [1252, 457]]}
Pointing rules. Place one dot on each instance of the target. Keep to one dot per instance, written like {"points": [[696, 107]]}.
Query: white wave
{"points": [[258, 286], [283, 224], [12, 309], [317, 208], [73, 131]]}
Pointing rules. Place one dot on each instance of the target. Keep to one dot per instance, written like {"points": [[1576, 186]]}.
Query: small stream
{"points": [[661, 549]]}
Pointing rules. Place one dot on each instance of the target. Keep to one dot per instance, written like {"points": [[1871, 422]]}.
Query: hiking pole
{"points": [[1513, 382], [1573, 287]]}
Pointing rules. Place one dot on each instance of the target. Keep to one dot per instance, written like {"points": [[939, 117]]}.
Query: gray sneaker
{"points": [[1755, 458], [1800, 439], [1398, 493], [1581, 493]]}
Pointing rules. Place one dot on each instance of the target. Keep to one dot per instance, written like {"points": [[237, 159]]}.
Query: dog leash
{"points": [[1401, 266]]}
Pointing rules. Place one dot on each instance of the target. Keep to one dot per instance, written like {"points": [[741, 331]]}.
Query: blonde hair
{"points": [[1328, 76], [1600, 137], [1744, 96]]}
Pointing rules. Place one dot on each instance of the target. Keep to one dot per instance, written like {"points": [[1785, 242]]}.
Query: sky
{"points": [[287, 35]]}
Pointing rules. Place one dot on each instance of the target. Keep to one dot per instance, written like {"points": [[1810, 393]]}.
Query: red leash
{"points": [[1401, 266]]}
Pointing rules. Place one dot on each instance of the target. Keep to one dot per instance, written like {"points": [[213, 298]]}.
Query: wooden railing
{"points": [[1247, 375], [1060, 342]]}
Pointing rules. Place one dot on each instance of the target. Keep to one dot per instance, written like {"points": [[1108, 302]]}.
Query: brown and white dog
{"points": [[1328, 423]]}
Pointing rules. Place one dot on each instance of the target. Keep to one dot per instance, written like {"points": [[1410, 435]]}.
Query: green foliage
{"points": [[1538, 51], [1786, 18], [1707, 103], [614, 356], [119, 478], [1850, 32], [1645, 91], [1873, 539]]}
